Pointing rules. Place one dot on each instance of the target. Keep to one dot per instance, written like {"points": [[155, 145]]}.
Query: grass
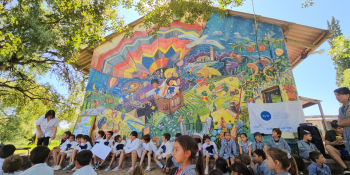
{"points": [[52, 144]]}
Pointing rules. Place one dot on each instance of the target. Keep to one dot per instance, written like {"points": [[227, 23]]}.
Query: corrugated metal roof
{"points": [[301, 40]]}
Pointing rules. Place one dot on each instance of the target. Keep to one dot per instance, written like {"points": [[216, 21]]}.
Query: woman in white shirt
{"points": [[46, 128]]}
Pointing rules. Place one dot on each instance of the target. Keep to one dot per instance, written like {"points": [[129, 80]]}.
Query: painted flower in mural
{"points": [[239, 124], [219, 127], [214, 132], [219, 131], [229, 126], [213, 139], [202, 82], [240, 130]]}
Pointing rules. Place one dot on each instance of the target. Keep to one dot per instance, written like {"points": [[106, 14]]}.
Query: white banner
{"points": [[266, 116]]}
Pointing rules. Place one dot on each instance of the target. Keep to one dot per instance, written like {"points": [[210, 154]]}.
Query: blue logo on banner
{"points": [[266, 116]]}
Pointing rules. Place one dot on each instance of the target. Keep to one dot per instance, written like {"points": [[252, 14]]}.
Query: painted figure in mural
{"points": [[155, 91]]}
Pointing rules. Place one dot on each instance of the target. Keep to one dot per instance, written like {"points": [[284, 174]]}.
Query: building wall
{"points": [[193, 79]]}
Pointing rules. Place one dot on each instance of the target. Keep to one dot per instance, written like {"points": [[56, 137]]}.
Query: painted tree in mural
{"points": [[340, 52]]}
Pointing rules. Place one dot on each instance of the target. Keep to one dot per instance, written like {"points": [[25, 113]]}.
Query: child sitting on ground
{"points": [[228, 148], [280, 162], [305, 146], [38, 156], [318, 166], [260, 167], [118, 146], [258, 144], [244, 145], [185, 150], [82, 164], [222, 165], [66, 151], [12, 164], [247, 161], [209, 151], [5, 152], [164, 151], [149, 149], [75, 151], [138, 170], [132, 149], [56, 150], [108, 142], [277, 141], [240, 168]]}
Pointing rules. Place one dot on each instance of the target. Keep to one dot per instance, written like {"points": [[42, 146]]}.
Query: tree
{"points": [[337, 42]]}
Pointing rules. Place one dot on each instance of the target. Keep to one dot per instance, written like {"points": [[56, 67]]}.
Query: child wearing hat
{"points": [[305, 146], [258, 144]]}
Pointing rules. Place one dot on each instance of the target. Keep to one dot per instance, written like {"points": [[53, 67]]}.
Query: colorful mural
{"points": [[193, 79]]}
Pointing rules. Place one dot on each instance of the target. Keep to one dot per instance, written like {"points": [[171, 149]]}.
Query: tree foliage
{"points": [[339, 51], [43, 37]]}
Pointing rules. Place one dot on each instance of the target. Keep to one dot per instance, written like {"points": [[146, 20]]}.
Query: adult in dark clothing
{"points": [[335, 145]]}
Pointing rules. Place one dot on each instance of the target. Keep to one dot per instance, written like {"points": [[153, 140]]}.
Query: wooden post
{"points": [[323, 117]]}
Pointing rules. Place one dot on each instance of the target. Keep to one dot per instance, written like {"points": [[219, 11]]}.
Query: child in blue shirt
{"points": [[244, 145], [305, 146], [258, 144], [228, 149], [318, 165], [260, 167], [277, 141], [209, 151]]}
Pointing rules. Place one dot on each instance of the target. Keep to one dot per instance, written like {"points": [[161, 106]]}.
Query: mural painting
{"points": [[193, 79]]}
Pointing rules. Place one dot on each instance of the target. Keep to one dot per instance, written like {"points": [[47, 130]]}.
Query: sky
{"points": [[315, 76]]}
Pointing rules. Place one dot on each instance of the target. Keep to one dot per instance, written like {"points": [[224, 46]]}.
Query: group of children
{"points": [[253, 158]]}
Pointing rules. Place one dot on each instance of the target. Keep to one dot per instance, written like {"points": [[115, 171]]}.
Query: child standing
{"points": [[132, 149], [318, 165], [305, 146], [245, 147], [82, 164], [260, 167], [228, 148], [185, 150], [75, 150], [258, 144], [209, 151], [119, 144], [107, 142], [277, 141], [222, 165], [149, 150], [164, 151], [280, 162], [66, 151]]}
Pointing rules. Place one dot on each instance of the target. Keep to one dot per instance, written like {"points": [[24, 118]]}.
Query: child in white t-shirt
{"points": [[69, 147], [149, 149], [118, 146], [108, 142]]}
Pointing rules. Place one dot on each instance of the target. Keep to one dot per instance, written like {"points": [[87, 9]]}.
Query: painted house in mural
{"points": [[194, 79]]}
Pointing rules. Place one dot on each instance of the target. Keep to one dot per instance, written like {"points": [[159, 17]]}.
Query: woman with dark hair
{"points": [[342, 95], [46, 128]]}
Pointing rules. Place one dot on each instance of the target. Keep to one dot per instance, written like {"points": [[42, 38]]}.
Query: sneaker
{"points": [[130, 170], [57, 168], [346, 171], [148, 169], [66, 168], [95, 165], [98, 168], [75, 168], [72, 163], [160, 165], [116, 169], [53, 166], [206, 170], [108, 169]]}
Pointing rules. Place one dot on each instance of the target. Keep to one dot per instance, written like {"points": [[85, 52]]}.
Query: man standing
{"points": [[335, 145]]}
